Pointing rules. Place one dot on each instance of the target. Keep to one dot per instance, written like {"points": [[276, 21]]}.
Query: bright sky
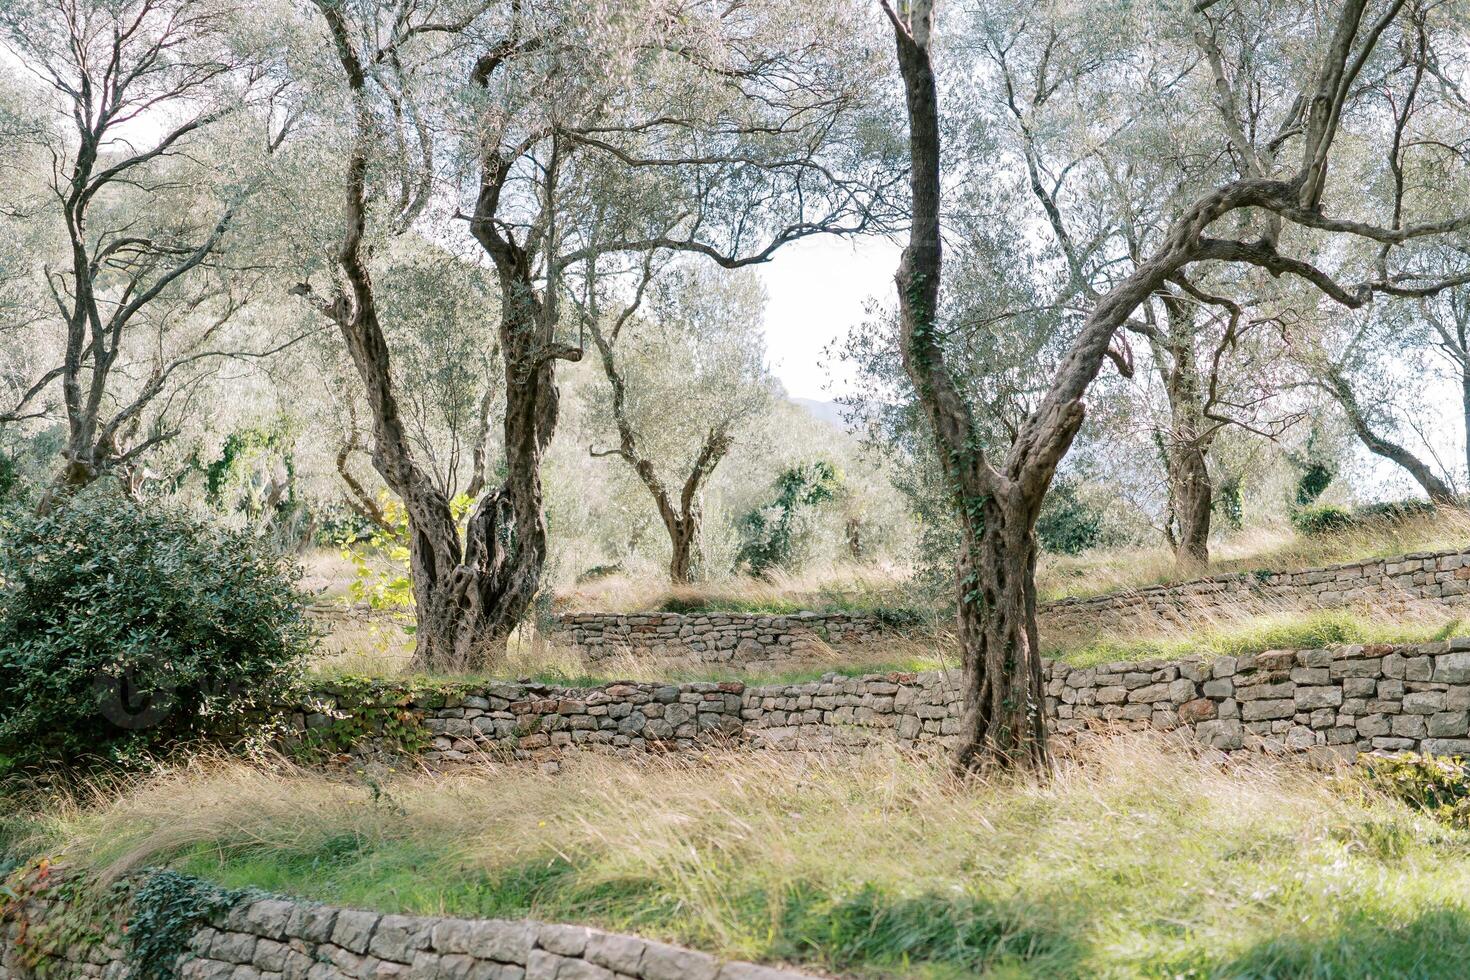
{"points": [[817, 289]]}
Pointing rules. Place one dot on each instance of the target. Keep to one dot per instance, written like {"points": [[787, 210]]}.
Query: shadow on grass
{"points": [[963, 935], [1432, 945]]}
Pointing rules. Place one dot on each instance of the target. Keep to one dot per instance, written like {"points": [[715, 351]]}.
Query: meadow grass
{"points": [[562, 666], [1270, 547], [1138, 858], [1258, 631]]}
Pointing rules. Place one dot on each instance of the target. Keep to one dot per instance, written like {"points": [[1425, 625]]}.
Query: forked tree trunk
{"points": [[467, 597], [681, 518]]}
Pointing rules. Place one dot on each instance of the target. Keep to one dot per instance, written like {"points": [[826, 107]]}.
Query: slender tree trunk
{"points": [[1002, 723], [1465, 414]]}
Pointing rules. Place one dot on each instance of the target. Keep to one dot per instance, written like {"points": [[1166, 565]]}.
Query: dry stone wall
{"points": [[1338, 701], [268, 938], [713, 638], [1342, 700], [1428, 576]]}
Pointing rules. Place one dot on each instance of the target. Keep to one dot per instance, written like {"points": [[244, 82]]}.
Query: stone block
{"points": [[1407, 726], [1269, 709], [1453, 724], [1452, 668], [620, 953], [1318, 697], [663, 962], [1447, 746], [1423, 702]]}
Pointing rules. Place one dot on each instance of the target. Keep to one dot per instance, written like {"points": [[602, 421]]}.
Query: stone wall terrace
{"points": [[714, 638], [1342, 700]]}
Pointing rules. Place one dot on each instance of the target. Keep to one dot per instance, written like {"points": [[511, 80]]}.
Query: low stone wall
{"points": [[248, 937], [1427, 576], [523, 721], [1344, 700], [715, 638]]}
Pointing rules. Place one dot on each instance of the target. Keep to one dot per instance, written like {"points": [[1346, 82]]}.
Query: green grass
{"points": [[861, 603], [1144, 861], [1307, 630]]}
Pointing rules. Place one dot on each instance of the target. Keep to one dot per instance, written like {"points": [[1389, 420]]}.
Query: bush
{"points": [[1439, 786], [1067, 525], [769, 533], [125, 627], [1324, 519]]}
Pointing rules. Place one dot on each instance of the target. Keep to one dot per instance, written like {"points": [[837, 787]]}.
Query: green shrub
{"points": [[1440, 786], [1067, 524], [124, 627], [769, 533], [1324, 519]]}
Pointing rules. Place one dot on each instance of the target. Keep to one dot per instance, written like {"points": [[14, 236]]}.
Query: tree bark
{"points": [[1437, 490], [1191, 490]]}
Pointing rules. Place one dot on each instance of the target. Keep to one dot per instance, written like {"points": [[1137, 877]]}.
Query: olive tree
{"points": [[138, 278], [742, 134], [683, 377], [1268, 213]]}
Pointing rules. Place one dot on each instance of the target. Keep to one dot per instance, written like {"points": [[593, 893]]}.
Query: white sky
{"points": [[817, 289]]}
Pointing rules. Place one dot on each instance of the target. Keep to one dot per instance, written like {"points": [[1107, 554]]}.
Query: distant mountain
{"points": [[827, 411]]}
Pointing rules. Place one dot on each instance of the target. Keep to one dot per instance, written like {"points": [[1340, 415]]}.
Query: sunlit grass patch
{"points": [[1273, 547], [1287, 629]]}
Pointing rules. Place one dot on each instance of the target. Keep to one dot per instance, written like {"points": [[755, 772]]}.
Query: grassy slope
{"points": [[1270, 548], [1143, 862]]}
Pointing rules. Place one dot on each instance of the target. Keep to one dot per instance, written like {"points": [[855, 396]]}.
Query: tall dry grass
{"points": [[1137, 857]]}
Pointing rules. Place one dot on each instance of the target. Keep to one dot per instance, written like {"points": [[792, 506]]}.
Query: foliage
{"points": [[77, 919], [124, 626], [1329, 518], [168, 908], [372, 708], [1321, 519], [380, 560], [1229, 501], [1067, 524], [1438, 785], [770, 532]]}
